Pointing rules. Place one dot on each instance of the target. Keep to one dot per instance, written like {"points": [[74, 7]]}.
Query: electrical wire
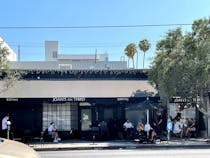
{"points": [[92, 27]]}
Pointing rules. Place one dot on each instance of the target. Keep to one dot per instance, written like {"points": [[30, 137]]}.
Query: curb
{"points": [[124, 147]]}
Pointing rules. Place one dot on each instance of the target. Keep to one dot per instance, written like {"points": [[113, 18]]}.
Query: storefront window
{"points": [[65, 115]]}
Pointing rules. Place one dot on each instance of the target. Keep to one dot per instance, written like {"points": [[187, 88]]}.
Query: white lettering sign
{"points": [[122, 99], [67, 99], [11, 99], [79, 99]]}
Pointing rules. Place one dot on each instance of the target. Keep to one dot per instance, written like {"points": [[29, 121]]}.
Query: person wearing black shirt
{"points": [[158, 124]]}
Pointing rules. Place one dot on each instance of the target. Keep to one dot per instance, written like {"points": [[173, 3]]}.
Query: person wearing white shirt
{"points": [[4, 126], [128, 127], [178, 128]]}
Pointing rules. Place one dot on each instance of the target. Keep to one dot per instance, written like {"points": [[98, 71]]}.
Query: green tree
{"points": [[3, 59], [130, 51], [144, 46], [181, 66], [8, 76]]}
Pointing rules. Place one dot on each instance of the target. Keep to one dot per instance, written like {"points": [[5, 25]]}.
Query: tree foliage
{"points": [[130, 51], [8, 76], [182, 64], [3, 60]]}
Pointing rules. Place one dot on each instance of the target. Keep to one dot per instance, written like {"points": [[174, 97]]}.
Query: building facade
{"points": [[76, 92], [75, 100]]}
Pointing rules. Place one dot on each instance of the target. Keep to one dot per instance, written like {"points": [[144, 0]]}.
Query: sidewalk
{"points": [[118, 144]]}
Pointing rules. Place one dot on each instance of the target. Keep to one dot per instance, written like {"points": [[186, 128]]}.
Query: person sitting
{"points": [[143, 130], [128, 127], [140, 128], [52, 131], [190, 127], [103, 129], [178, 128]]}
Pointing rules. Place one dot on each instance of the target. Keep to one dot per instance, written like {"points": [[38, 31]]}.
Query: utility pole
{"points": [[95, 55], [18, 52]]}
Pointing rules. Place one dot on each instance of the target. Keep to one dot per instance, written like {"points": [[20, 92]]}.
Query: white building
{"points": [[54, 60], [12, 55], [52, 54]]}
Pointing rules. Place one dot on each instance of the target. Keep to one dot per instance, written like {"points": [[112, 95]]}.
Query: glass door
{"points": [[86, 119]]}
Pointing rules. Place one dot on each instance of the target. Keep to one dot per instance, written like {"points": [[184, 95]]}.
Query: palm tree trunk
{"points": [[133, 64], [143, 60], [128, 62], [137, 60]]}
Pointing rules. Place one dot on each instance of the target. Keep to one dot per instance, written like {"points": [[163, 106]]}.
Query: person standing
{"points": [[4, 126], [158, 125], [169, 127]]}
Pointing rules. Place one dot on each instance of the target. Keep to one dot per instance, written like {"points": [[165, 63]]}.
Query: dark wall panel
{"points": [[25, 117]]}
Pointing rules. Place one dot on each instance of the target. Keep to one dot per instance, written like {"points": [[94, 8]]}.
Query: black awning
{"points": [[147, 104]]}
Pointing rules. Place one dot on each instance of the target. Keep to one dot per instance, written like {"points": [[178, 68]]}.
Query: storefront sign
{"points": [[122, 99], [184, 100], [11, 99], [180, 100], [68, 99]]}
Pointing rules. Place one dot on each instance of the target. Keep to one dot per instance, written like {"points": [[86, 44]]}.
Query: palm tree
{"points": [[144, 46], [130, 51]]}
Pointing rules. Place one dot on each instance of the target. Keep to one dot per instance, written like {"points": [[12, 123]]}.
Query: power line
{"points": [[74, 44], [92, 26], [71, 46]]}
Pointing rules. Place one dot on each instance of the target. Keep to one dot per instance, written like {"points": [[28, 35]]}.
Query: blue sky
{"points": [[92, 13]]}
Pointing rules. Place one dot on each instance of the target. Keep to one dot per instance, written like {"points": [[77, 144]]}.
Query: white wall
{"points": [[50, 47], [12, 55], [56, 65], [87, 88]]}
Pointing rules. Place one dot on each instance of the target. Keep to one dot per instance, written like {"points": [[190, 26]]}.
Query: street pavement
{"points": [[119, 144], [138, 153]]}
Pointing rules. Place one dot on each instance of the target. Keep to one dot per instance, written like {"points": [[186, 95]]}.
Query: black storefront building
{"points": [[76, 100]]}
